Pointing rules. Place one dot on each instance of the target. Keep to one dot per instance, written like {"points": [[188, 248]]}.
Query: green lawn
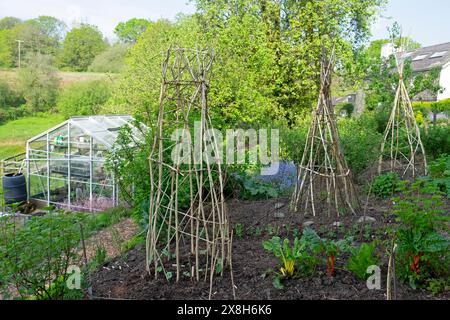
{"points": [[14, 134]]}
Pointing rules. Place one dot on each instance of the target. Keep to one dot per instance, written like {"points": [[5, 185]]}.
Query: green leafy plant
{"points": [[332, 249], [361, 258], [252, 189], [298, 259], [34, 256], [384, 186], [423, 248], [239, 230], [439, 176]]}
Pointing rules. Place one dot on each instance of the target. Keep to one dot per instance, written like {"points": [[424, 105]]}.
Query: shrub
{"points": [[36, 257], [423, 248], [83, 98], [112, 60], [439, 177], [361, 259], [384, 186], [39, 83], [436, 140], [8, 96], [360, 141]]}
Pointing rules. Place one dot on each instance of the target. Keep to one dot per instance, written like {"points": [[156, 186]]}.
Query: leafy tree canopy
{"points": [[7, 23], [131, 30], [80, 47], [39, 82]]}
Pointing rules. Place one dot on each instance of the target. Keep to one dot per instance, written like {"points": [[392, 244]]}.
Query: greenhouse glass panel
{"points": [[66, 164]]}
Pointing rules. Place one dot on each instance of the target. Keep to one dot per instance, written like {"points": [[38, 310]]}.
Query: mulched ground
{"points": [[125, 277]]}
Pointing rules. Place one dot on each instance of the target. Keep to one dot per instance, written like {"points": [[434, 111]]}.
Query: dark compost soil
{"points": [[125, 277]]}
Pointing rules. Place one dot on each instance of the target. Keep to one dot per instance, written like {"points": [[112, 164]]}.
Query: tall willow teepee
{"points": [[323, 175], [402, 148], [189, 233]]}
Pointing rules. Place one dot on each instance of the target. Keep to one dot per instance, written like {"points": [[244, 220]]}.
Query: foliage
{"points": [[83, 98], [383, 78], [437, 286], [384, 186], [128, 160], [360, 141], [267, 55], [131, 30], [80, 47], [436, 140], [247, 187], [239, 230], [435, 108], [303, 257], [300, 259], [7, 57], [332, 249], [39, 83], [10, 100], [138, 91], [112, 60], [7, 23], [361, 259], [439, 175], [423, 248], [38, 253]]}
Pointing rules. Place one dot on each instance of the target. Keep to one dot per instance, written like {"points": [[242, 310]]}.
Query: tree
{"points": [[288, 38], [131, 30], [6, 49], [111, 60], [7, 23], [39, 82], [139, 88], [43, 34], [80, 47], [53, 28]]}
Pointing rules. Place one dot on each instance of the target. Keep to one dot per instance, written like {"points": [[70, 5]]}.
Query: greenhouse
{"points": [[66, 164]]}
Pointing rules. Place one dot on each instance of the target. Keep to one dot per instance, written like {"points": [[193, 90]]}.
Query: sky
{"points": [[426, 21]]}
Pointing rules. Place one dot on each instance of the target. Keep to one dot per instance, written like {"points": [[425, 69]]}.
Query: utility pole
{"points": [[20, 47]]}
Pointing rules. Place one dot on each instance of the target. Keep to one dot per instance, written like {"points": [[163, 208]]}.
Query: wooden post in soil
{"points": [[188, 222], [323, 174]]}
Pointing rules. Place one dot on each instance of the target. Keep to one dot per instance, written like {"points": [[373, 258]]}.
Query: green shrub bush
{"points": [[83, 98], [360, 141], [32, 257], [112, 60], [384, 186], [436, 140]]}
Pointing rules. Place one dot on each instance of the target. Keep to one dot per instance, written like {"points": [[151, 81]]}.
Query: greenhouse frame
{"points": [[66, 164]]}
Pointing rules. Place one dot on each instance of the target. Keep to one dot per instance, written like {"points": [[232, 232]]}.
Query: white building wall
{"points": [[445, 83]]}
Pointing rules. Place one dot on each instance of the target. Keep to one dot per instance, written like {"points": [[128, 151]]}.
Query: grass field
{"points": [[66, 77], [14, 134]]}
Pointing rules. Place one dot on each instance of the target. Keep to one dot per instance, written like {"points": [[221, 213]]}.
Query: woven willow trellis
{"points": [[188, 221], [323, 175], [402, 148]]}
